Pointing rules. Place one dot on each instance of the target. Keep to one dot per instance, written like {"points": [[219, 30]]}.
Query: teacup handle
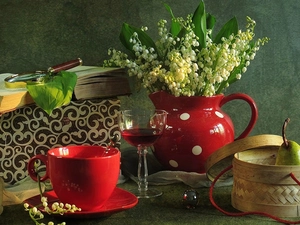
{"points": [[31, 168], [251, 103]]}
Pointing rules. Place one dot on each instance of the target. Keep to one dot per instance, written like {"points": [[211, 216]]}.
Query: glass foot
{"points": [[150, 193]]}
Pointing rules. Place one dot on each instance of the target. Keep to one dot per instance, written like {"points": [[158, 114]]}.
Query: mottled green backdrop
{"points": [[35, 34]]}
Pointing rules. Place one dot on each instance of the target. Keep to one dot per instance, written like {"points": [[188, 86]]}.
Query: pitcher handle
{"points": [[251, 103]]}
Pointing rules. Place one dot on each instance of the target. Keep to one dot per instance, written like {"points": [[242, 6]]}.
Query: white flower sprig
{"points": [[183, 63], [56, 208]]}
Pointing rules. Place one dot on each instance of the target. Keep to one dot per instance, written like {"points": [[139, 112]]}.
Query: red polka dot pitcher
{"points": [[196, 127]]}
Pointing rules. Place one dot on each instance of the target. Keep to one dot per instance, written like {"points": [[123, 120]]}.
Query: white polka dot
{"points": [[184, 116], [219, 114], [197, 150], [173, 163]]}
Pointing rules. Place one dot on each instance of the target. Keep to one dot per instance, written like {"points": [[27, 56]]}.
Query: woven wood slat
{"points": [[266, 194]]}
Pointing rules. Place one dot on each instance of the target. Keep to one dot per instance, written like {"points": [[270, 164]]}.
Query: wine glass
{"points": [[141, 128]]}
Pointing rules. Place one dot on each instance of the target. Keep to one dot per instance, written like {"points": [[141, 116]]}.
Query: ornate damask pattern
{"points": [[28, 131]]}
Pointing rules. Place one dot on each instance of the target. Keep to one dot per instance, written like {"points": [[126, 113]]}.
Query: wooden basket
{"points": [[259, 185]]}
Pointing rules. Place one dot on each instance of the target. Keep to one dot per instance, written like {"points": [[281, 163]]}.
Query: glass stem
{"points": [[142, 169]]}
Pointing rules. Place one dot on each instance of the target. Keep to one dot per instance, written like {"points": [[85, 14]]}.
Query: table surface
{"points": [[166, 209]]}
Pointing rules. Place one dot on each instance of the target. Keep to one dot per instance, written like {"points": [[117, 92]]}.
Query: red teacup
{"points": [[82, 175]]}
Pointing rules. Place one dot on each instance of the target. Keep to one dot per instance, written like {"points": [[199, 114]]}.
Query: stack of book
{"points": [[93, 82]]}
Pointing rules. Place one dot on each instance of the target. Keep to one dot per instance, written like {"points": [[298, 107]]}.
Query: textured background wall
{"points": [[36, 34]]}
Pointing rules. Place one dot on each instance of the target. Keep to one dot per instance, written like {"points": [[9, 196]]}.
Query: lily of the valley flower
{"points": [[187, 60], [56, 208]]}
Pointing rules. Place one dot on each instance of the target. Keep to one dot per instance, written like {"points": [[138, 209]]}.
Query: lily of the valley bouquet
{"points": [[188, 59]]}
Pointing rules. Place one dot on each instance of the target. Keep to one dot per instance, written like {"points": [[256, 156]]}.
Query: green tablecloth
{"points": [[167, 209]]}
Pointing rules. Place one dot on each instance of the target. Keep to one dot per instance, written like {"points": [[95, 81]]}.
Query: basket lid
{"points": [[222, 158]]}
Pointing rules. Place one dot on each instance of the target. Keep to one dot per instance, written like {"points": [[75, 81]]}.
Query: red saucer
{"points": [[120, 200]]}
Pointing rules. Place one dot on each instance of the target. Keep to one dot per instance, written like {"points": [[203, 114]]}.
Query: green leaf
{"points": [[175, 25], [199, 20], [126, 33], [231, 27], [210, 21], [55, 92]]}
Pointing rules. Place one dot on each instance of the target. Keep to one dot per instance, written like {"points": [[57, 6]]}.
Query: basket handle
{"points": [[246, 213]]}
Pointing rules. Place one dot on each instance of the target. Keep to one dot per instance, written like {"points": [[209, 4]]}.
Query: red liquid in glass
{"points": [[138, 136]]}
